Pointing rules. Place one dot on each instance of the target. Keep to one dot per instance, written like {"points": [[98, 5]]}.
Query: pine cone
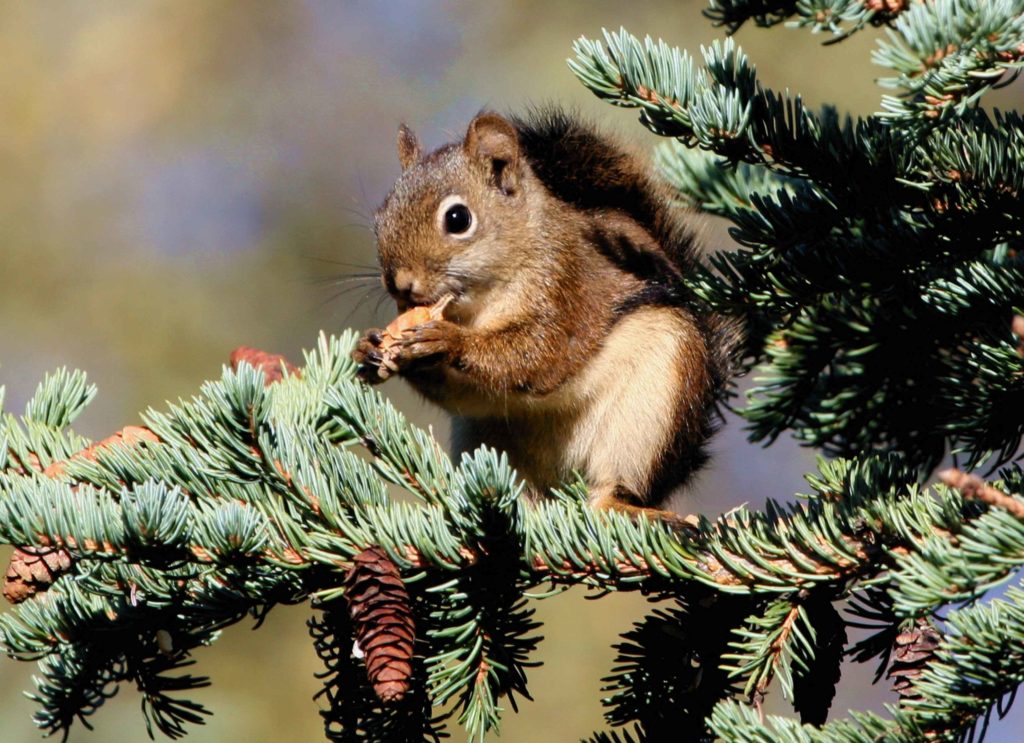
{"points": [[382, 617], [886, 6], [33, 569], [269, 363], [912, 651]]}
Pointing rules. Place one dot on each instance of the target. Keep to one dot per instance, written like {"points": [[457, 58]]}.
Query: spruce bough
{"points": [[879, 273]]}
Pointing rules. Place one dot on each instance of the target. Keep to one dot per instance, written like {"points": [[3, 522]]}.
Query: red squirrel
{"points": [[565, 336]]}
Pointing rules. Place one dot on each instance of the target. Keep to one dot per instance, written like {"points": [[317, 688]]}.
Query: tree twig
{"points": [[974, 488]]}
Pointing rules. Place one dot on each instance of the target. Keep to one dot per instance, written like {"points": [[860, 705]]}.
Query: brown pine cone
{"points": [[33, 569], [382, 616], [269, 363], [912, 651]]}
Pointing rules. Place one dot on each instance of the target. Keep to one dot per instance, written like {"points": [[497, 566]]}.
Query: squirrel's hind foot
{"points": [[620, 499]]}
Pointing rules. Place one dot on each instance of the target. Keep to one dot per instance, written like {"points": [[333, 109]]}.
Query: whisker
{"points": [[330, 281], [358, 304], [356, 226], [347, 277], [348, 290], [333, 262], [355, 212], [362, 301], [376, 307], [362, 190], [330, 298]]}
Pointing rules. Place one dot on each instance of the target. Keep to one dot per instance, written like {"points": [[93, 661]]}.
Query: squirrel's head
{"points": [[454, 222]]}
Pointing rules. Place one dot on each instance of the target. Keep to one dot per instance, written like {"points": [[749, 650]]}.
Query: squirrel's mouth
{"points": [[436, 307], [407, 300], [409, 303]]}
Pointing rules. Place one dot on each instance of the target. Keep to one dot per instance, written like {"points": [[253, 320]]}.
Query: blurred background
{"points": [[177, 179]]}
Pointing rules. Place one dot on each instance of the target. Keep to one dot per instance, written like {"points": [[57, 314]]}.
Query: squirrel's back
{"points": [[591, 171]]}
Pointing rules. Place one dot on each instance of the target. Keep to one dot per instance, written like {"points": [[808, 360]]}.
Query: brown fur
{"points": [[569, 343]]}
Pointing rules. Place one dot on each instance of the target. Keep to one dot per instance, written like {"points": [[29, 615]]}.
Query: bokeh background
{"points": [[177, 179]]}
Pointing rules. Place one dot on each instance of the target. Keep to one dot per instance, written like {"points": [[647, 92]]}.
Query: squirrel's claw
{"points": [[369, 358], [433, 341], [378, 359]]}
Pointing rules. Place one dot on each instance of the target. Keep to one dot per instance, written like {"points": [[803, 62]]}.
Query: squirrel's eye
{"points": [[457, 219], [454, 218]]}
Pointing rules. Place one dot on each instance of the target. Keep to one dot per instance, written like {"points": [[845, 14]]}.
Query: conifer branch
{"points": [[169, 535], [949, 53], [976, 665], [839, 17]]}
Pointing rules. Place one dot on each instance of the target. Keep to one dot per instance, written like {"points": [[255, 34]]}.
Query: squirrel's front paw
{"points": [[430, 343], [369, 357]]}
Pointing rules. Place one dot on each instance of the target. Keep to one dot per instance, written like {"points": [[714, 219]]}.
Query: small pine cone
{"points": [[33, 569], [269, 363], [382, 617], [888, 7], [911, 653]]}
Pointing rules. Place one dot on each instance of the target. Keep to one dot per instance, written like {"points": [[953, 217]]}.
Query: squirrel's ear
{"points": [[408, 147], [493, 140]]}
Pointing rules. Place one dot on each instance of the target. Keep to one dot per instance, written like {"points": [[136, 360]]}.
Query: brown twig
{"points": [[974, 488], [778, 646], [127, 436]]}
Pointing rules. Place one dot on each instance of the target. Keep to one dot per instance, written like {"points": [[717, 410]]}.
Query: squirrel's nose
{"points": [[408, 290]]}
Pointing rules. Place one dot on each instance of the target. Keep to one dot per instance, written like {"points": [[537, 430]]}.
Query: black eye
{"points": [[457, 219]]}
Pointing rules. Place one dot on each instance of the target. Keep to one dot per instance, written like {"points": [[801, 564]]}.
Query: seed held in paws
{"points": [[392, 335]]}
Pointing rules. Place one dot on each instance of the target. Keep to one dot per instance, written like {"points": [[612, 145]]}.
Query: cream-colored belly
{"points": [[612, 421]]}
